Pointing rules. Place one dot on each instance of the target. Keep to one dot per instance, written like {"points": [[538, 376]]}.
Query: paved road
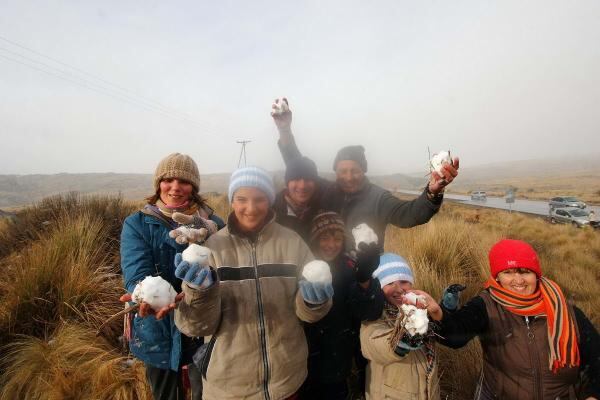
{"points": [[527, 206]]}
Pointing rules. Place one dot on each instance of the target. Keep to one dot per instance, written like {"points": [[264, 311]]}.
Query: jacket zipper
{"points": [[261, 324], [534, 363]]}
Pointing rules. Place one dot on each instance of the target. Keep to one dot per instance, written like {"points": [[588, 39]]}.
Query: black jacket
{"points": [[332, 340], [302, 225], [372, 205]]}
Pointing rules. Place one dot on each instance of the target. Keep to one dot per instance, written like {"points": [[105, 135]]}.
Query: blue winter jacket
{"points": [[147, 249]]}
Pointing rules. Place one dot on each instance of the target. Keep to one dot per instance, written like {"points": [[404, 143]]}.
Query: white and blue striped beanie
{"points": [[252, 177], [393, 268]]}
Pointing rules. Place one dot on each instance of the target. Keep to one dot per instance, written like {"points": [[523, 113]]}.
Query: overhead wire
{"points": [[134, 99]]}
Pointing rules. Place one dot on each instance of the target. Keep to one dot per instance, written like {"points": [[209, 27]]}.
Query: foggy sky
{"points": [[491, 81]]}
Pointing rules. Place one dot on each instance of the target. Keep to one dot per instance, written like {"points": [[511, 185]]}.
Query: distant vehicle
{"points": [[558, 202], [575, 216], [479, 195]]}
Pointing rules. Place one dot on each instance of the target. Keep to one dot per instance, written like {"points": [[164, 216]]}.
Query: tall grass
{"points": [[60, 265], [453, 248], [72, 364]]}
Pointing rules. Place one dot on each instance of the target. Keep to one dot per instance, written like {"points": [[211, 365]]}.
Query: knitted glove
{"points": [[183, 235], [367, 261], [194, 273], [403, 348], [451, 296], [314, 292]]}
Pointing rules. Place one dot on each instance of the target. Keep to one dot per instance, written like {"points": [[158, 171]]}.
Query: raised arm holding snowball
{"points": [[360, 200]]}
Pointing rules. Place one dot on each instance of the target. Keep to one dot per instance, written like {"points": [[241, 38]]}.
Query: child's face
{"points": [[394, 291], [331, 244]]}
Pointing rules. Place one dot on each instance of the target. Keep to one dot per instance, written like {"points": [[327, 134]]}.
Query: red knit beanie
{"points": [[509, 253]]}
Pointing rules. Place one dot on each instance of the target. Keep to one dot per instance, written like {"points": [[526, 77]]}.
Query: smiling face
{"points": [[250, 206], [349, 176], [331, 244], [519, 280], [301, 190], [175, 192], [394, 291]]}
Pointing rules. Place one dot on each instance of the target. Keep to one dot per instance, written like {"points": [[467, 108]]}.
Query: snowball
{"points": [[196, 254], [281, 106], [364, 234], [155, 291], [415, 320], [317, 271], [439, 159], [413, 298]]}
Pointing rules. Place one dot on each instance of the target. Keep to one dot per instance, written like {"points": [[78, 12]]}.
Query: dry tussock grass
{"points": [[72, 364], [453, 247], [62, 280]]}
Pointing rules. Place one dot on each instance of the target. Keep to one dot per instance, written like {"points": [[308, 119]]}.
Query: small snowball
{"points": [[364, 234], [317, 271], [413, 298], [196, 254], [415, 320], [281, 106], [439, 159], [155, 291]]}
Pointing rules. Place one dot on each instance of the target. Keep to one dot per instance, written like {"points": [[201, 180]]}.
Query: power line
{"points": [[121, 88], [147, 104]]}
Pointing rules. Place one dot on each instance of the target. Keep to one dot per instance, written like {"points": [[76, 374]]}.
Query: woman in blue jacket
{"points": [[147, 249]]}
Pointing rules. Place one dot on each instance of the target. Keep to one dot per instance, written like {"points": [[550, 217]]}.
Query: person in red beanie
{"points": [[535, 345]]}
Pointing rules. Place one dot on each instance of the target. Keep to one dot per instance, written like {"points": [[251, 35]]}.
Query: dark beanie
{"points": [[301, 168], [354, 153]]}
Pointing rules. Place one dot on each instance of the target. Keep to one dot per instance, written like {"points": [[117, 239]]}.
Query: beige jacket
{"points": [[390, 376], [257, 348]]}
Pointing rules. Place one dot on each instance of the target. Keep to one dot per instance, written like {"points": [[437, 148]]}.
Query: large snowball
{"points": [[155, 291], [415, 320], [317, 272], [196, 254], [439, 159], [363, 233]]}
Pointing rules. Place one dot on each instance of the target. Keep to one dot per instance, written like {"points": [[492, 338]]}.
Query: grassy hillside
{"points": [[61, 279]]}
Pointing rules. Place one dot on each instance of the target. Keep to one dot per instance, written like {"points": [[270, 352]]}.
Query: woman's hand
{"points": [[426, 302], [146, 310]]}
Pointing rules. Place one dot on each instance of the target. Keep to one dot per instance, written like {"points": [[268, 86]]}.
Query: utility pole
{"points": [[243, 152]]}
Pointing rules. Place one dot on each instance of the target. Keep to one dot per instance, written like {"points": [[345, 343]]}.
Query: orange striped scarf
{"points": [[550, 301]]}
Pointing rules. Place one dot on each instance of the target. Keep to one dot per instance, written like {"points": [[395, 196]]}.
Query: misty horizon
{"points": [[116, 87]]}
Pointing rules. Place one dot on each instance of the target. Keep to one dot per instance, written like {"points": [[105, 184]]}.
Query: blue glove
{"points": [[451, 296], [402, 348], [192, 273], [315, 293]]}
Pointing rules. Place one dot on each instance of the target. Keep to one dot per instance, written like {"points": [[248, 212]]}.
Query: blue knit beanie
{"points": [[252, 177], [393, 268]]}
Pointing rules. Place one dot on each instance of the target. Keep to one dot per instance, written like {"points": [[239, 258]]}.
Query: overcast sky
{"points": [[489, 80]]}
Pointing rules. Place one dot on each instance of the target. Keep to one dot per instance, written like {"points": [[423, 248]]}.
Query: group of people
{"points": [[249, 326]]}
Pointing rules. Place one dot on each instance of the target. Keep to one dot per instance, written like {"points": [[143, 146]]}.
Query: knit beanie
{"points": [[252, 177], [354, 153], [393, 268], [325, 221], [301, 168], [508, 253], [180, 166]]}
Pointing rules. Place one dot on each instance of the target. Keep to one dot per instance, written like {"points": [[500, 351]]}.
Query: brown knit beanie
{"points": [[180, 166], [325, 221]]}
